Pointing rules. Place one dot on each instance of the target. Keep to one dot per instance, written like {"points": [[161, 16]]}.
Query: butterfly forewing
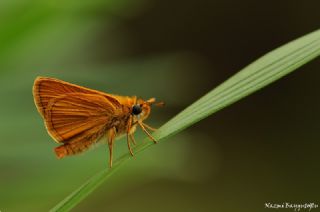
{"points": [[46, 89], [78, 116]]}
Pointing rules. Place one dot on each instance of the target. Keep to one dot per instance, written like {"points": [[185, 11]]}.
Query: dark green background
{"points": [[264, 148]]}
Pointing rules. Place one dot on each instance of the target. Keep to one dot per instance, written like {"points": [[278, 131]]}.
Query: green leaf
{"points": [[255, 76]]}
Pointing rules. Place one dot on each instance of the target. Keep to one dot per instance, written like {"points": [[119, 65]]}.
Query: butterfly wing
{"points": [[77, 117], [46, 89]]}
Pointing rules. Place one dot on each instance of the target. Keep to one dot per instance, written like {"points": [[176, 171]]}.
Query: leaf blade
{"points": [[253, 77]]}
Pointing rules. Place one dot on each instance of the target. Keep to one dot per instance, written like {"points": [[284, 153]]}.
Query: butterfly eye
{"points": [[136, 109]]}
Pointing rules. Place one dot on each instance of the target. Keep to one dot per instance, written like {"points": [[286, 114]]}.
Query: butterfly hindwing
{"points": [[76, 117]]}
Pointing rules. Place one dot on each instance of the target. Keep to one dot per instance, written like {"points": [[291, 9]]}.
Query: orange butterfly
{"points": [[78, 117]]}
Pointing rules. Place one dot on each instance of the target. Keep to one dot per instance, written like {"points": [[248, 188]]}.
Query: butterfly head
{"points": [[141, 110]]}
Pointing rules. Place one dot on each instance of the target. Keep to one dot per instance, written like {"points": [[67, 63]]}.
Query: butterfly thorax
{"points": [[123, 116], [120, 120]]}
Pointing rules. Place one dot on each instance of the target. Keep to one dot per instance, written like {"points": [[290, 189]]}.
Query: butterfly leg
{"points": [[129, 135], [131, 131], [148, 134], [111, 134], [129, 146], [148, 127], [132, 139]]}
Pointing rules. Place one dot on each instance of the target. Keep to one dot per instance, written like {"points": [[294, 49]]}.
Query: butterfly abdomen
{"points": [[72, 148]]}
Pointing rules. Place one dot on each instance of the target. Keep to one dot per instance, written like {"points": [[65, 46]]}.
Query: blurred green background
{"points": [[262, 149]]}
